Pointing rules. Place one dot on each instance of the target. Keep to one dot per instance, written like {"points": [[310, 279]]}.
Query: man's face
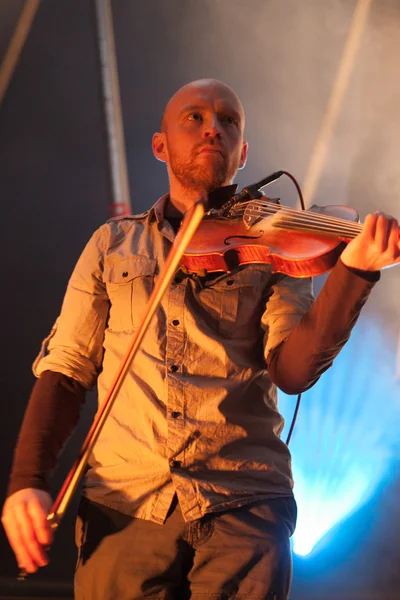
{"points": [[203, 129]]}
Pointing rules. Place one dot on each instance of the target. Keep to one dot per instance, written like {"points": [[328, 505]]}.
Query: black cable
{"points": [[294, 180], [298, 401], [296, 410], [252, 192]]}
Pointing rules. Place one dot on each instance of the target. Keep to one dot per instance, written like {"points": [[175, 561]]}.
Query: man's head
{"points": [[201, 138]]}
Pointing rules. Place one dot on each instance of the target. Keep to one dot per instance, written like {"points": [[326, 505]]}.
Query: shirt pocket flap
{"points": [[239, 298], [126, 269], [247, 277]]}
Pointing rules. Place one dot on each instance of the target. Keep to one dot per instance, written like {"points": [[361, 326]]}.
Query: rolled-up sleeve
{"points": [[75, 344]]}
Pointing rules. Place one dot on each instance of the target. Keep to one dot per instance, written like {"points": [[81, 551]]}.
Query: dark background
{"points": [[281, 56]]}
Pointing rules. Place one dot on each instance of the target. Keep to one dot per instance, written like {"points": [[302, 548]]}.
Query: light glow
{"points": [[345, 436]]}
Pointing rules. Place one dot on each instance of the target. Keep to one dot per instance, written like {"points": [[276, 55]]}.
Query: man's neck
{"points": [[177, 206], [180, 201]]}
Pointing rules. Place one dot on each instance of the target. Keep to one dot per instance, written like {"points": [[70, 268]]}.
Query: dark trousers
{"points": [[242, 553]]}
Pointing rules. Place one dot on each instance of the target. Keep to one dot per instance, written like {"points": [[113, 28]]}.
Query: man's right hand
{"points": [[25, 521]]}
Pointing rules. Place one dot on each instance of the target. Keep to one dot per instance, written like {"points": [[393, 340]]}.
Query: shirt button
{"points": [[175, 464], [175, 322], [174, 368], [175, 414]]}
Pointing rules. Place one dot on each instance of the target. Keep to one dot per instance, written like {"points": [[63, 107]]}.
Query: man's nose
{"points": [[212, 128]]}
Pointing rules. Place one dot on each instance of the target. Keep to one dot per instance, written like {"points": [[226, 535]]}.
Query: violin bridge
{"points": [[256, 210]]}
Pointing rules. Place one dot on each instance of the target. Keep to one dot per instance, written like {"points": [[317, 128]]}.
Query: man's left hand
{"points": [[376, 247]]}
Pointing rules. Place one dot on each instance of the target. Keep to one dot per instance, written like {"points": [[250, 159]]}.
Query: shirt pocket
{"points": [[129, 283], [240, 298]]}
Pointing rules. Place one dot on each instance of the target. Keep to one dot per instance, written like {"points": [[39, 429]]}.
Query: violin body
{"points": [[223, 243]]}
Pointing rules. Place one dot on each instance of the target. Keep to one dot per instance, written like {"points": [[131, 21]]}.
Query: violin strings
{"points": [[315, 218], [301, 227], [325, 223], [312, 224], [275, 208], [307, 215]]}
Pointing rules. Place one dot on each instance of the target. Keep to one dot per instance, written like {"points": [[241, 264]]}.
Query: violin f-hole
{"points": [[242, 237]]}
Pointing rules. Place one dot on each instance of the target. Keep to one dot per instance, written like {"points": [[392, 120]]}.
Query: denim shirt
{"points": [[197, 414]]}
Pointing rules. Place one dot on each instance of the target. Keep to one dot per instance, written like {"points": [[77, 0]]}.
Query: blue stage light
{"points": [[345, 435]]}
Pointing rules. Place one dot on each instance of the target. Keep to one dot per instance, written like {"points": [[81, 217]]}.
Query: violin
{"points": [[295, 242]]}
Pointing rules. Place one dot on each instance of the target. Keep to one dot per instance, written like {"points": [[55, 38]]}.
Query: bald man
{"points": [[188, 493]]}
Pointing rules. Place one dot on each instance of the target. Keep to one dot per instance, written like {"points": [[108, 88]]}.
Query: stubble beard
{"points": [[195, 175]]}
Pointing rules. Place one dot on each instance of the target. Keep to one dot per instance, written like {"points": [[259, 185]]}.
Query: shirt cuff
{"points": [[372, 276]]}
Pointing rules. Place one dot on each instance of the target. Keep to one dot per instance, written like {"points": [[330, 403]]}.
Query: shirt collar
{"points": [[216, 199], [156, 213]]}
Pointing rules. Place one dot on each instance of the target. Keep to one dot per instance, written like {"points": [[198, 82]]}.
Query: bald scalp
{"points": [[198, 85]]}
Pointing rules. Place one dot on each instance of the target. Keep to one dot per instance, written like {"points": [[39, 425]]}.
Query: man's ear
{"points": [[243, 155], [159, 147]]}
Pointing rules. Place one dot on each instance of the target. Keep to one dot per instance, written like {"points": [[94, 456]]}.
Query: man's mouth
{"points": [[211, 150]]}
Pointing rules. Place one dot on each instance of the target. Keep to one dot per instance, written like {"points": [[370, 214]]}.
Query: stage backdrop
{"points": [[320, 86]]}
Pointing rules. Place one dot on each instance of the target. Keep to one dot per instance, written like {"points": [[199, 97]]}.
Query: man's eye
{"points": [[195, 117], [229, 120]]}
